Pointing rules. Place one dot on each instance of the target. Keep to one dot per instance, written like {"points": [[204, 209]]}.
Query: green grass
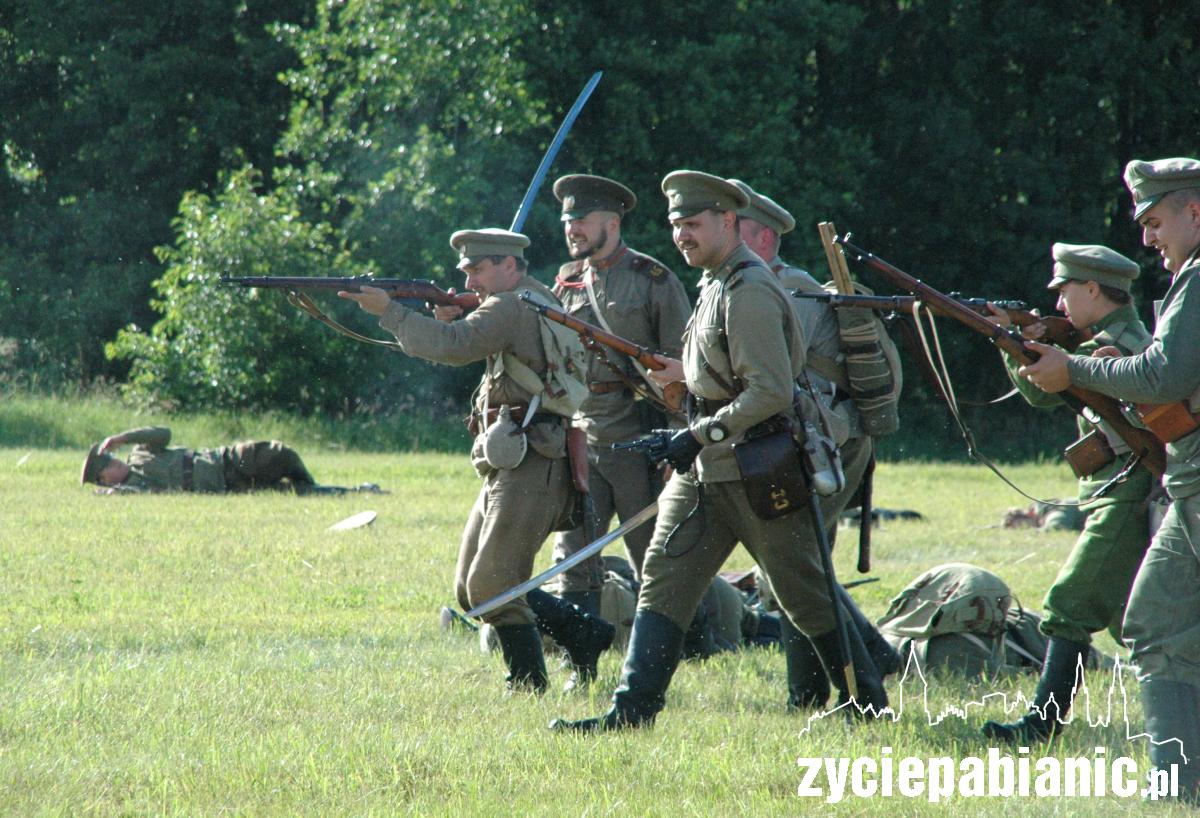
{"points": [[191, 655]]}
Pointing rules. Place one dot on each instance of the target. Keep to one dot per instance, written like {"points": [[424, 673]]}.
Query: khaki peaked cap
{"points": [[1092, 262], [582, 193], [690, 192], [1150, 181], [93, 464], [764, 210], [473, 245]]}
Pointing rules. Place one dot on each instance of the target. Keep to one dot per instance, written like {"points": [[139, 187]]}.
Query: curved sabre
{"points": [[556, 569], [535, 184]]}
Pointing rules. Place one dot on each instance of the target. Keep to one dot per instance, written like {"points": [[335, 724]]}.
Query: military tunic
{"points": [[1162, 622], [745, 331], [516, 508], [156, 467], [1093, 585], [643, 302]]}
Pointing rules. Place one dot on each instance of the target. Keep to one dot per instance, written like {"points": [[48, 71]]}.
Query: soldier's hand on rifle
{"points": [[1107, 352], [370, 299], [1049, 371], [447, 312], [671, 372]]}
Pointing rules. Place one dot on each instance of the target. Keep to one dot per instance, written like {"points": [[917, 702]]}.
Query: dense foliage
{"points": [[958, 138]]}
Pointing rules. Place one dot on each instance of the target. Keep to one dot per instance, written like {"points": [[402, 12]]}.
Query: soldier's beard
{"points": [[590, 248]]}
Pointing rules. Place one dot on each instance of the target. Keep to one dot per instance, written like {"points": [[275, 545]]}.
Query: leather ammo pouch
{"points": [[1089, 454], [577, 461], [770, 467], [1168, 421]]}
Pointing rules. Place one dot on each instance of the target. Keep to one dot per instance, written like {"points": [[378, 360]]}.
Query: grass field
{"points": [[194, 655]]}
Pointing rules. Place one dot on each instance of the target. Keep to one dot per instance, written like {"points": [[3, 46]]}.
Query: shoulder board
{"points": [[738, 273], [646, 265]]}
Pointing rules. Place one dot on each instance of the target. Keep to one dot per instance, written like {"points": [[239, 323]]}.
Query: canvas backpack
{"points": [[868, 366], [563, 388]]}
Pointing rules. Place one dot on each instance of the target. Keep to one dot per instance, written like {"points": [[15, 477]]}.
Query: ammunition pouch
{"points": [[772, 474], [1168, 421], [1089, 454]]}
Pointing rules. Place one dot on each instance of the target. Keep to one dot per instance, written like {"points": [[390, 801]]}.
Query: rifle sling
{"points": [[301, 301]]}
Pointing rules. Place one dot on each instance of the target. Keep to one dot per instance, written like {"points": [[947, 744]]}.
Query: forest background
{"points": [[150, 147]]}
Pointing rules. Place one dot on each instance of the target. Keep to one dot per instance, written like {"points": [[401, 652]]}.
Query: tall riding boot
{"points": [[1172, 711], [522, 648], [808, 685], [886, 658], [583, 636], [587, 601], [1043, 721], [866, 676], [655, 646]]}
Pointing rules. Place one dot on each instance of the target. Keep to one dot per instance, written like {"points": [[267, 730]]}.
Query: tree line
{"points": [[151, 147]]}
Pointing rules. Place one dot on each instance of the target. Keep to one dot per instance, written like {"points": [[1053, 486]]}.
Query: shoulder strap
{"points": [[588, 282]]}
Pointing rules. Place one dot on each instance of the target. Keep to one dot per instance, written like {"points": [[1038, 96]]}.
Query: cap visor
{"points": [[1141, 207]]}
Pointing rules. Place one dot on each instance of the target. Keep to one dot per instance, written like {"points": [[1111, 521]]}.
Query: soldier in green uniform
{"points": [[762, 224], [525, 498], [635, 296], [1162, 621], [743, 351], [154, 466], [1091, 589]]}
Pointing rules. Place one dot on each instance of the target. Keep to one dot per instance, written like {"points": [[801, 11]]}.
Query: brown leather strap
{"points": [[518, 415], [606, 387]]}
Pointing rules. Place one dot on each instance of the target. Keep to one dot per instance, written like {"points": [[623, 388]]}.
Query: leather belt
{"points": [[518, 411], [189, 461], [606, 387]]}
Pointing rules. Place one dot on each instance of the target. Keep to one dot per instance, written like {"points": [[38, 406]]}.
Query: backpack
{"points": [[872, 362], [563, 388], [961, 618]]}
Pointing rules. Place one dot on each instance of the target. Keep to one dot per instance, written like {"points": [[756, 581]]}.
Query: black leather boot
{"points": [[808, 685], [583, 636], [522, 648], [1172, 711], [886, 658], [655, 646], [587, 601], [866, 675], [1043, 721]]}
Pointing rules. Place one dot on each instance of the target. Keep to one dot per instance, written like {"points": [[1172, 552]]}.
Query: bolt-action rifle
{"points": [[594, 337], [1145, 445], [425, 291], [1059, 331]]}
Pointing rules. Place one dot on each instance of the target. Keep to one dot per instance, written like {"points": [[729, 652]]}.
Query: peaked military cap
{"points": [[764, 210], [1092, 262], [581, 193], [473, 245], [1150, 181], [93, 464], [689, 192]]}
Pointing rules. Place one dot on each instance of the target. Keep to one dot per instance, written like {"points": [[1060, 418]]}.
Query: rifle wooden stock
{"points": [[1143, 443], [425, 291], [594, 336]]}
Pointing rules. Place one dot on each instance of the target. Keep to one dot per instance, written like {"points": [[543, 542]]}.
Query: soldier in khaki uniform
{"points": [[637, 297], [762, 224], [1091, 589], [743, 350], [154, 466], [1162, 620], [518, 505]]}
